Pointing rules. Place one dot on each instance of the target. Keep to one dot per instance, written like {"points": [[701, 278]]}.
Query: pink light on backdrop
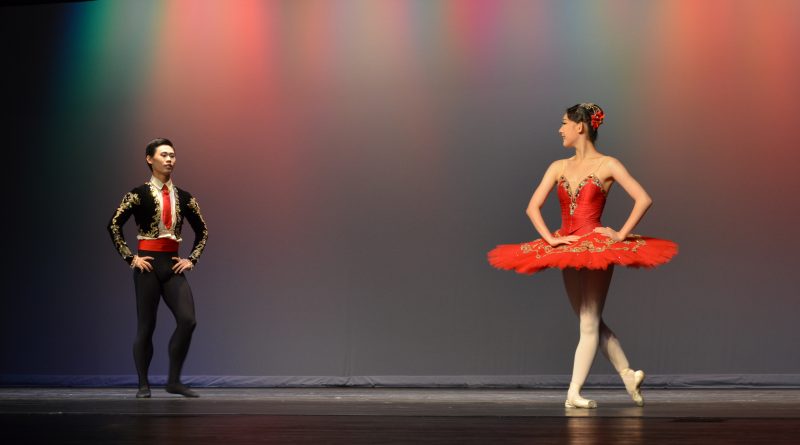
{"points": [[211, 58], [773, 42], [473, 27], [313, 41], [689, 74], [712, 64], [218, 86], [716, 84]]}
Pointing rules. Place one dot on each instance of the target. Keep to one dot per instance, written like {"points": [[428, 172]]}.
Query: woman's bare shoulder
{"points": [[612, 162], [560, 163], [557, 166]]}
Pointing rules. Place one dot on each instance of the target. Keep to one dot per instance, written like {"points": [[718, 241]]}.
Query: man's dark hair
{"points": [[152, 145]]}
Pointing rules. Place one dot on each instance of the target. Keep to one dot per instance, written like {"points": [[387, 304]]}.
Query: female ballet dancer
{"points": [[585, 250]]}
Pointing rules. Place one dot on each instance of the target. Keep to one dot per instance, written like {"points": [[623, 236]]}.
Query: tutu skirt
{"points": [[592, 251]]}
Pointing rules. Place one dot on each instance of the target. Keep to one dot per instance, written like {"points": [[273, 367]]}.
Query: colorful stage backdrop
{"points": [[355, 160]]}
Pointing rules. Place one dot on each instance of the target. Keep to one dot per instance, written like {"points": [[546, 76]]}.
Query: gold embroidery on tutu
{"points": [[599, 243]]}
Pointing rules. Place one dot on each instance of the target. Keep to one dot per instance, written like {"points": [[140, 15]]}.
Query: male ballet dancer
{"points": [[158, 208]]}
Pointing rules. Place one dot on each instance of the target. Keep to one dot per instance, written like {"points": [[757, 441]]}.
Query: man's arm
{"points": [[120, 217], [198, 224]]}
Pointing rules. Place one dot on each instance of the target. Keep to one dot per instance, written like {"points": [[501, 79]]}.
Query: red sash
{"points": [[159, 245]]}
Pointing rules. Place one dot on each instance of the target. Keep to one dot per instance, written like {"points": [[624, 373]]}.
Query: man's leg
{"points": [[178, 296], [148, 293]]}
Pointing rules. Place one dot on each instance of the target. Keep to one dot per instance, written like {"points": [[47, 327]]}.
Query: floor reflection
{"points": [[589, 428]]}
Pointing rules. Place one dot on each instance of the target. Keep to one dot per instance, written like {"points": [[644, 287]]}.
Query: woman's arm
{"points": [[642, 200], [537, 201]]}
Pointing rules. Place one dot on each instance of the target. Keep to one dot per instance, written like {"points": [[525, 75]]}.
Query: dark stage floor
{"points": [[374, 416]]}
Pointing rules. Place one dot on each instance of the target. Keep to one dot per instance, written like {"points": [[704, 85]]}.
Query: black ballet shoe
{"points": [[143, 392], [180, 388]]}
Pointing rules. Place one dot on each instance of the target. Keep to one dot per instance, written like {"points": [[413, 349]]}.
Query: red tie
{"points": [[166, 215]]}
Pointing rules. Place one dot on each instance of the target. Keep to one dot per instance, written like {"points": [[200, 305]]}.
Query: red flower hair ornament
{"points": [[597, 118], [597, 114]]}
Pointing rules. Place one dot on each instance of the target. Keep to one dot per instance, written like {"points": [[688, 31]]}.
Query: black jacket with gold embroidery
{"points": [[143, 204]]}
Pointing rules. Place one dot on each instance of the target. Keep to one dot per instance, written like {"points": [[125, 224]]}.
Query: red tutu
{"points": [[580, 214], [591, 251]]}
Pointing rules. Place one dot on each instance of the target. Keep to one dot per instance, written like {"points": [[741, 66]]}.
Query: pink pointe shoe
{"points": [[579, 402], [633, 383]]}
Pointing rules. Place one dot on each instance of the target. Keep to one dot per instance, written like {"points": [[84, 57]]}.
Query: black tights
{"points": [[150, 286]]}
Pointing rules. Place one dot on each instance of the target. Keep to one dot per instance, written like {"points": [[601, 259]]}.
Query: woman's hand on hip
{"points": [[558, 240], [611, 233]]}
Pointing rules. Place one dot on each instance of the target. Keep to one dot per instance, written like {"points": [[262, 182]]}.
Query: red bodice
{"points": [[581, 208]]}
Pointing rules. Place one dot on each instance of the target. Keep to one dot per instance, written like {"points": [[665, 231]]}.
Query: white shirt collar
{"points": [[159, 185]]}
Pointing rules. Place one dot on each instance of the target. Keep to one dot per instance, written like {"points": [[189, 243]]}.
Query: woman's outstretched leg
{"points": [[612, 349], [587, 290], [608, 341]]}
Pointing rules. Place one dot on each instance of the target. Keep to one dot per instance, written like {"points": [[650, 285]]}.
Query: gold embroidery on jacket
{"points": [[195, 207], [128, 201], [152, 232], [176, 225]]}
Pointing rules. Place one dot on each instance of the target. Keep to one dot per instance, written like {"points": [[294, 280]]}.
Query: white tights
{"points": [[587, 290]]}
